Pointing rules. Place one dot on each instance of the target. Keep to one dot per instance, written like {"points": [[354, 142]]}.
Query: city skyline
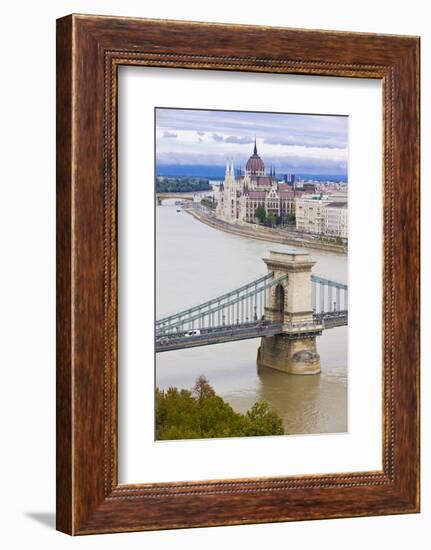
{"points": [[290, 142]]}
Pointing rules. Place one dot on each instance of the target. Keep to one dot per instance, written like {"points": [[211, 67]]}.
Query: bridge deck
{"points": [[332, 319], [221, 335], [218, 335]]}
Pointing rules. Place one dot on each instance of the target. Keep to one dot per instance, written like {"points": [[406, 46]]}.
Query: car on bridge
{"points": [[192, 332]]}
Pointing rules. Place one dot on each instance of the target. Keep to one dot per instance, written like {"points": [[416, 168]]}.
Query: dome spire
{"points": [[255, 165]]}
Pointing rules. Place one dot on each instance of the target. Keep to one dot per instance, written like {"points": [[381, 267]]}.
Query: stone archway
{"points": [[279, 304]]}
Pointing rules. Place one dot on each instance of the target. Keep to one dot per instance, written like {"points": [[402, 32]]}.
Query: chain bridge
{"points": [[287, 308]]}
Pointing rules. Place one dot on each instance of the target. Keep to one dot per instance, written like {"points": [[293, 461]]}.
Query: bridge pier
{"points": [[290, 356], [293, 350]]}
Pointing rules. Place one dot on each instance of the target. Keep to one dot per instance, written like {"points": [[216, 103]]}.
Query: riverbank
{"points": [[260, 233]]}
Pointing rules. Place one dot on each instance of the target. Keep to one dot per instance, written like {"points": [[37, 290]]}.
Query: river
{"points": [[195, 262]]}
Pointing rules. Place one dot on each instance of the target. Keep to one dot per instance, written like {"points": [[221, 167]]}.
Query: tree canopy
{"points": [[181, 184], [271, 219], [260, 214], [199, 413]]}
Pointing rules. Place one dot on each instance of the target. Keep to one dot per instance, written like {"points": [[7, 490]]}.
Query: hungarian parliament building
{"points": [[240, 194]]}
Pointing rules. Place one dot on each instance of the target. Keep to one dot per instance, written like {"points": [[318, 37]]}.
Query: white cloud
{"points": [[283, 140]]}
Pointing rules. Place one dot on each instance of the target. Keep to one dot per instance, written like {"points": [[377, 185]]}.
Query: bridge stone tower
{"points": [[293, 350]]}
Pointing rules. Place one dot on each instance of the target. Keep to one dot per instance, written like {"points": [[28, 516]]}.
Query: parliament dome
{"points": [[255, 165]]}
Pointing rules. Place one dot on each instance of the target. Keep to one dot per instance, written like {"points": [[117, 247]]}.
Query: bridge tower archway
{"points": [[278, 304]]}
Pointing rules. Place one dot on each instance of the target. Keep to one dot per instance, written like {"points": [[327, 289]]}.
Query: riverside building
{"points": [[310, 213], [336, 219], [322, 215]]}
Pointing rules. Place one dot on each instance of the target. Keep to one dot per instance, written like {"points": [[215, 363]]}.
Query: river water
{"points": [[194, 263]]}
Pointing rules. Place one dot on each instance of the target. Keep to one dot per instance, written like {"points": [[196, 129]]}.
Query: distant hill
{"points": [[217, 172], [181, 184], [176, 170]]}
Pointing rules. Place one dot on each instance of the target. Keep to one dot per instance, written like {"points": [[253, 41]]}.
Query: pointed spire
{"points": [[255, 147], [227, 168], [232, 169]]}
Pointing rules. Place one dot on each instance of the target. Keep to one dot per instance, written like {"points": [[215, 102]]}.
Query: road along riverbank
{"points": [[260, 233]]}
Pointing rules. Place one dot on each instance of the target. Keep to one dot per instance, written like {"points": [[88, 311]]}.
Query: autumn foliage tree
{"points": [[200, 413]]}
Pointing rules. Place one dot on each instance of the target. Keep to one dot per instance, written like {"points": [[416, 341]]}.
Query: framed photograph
{"points": [[237, 274]]}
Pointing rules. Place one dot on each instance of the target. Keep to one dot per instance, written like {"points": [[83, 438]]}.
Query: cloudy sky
{"points": [[312, 144]]}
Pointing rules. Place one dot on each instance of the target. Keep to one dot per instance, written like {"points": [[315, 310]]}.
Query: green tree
{"points": [[291, 219], [260, 214], [271, 219], [262, 420], [209, 202], [201, 413]]}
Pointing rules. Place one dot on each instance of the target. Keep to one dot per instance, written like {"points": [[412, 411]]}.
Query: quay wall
{"points": [[263, 233]]}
